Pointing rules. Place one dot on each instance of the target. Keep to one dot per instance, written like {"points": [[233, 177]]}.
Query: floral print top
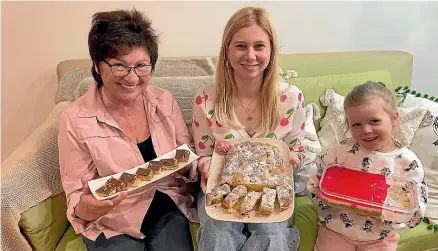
{"points": [[401, 161], [207, 130]]}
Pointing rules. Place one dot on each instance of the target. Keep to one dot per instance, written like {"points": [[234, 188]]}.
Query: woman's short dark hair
{"points": [[115, 33]]}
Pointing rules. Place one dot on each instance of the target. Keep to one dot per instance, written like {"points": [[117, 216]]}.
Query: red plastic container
{"points": [[392, 196]]}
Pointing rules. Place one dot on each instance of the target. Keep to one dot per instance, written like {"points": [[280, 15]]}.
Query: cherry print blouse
{"points": [[207, 130]]}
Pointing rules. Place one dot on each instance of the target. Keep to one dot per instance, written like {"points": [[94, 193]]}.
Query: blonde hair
{"points": [[226, 89], [368, 91]]}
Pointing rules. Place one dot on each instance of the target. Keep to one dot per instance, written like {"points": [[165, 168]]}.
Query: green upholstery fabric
{"points": [[44, 223], [313, 87], [305, 218], [71, 241], [398, 63]]}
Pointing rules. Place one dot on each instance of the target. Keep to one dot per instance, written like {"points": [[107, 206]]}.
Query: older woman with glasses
{"points": [[121, 122]]}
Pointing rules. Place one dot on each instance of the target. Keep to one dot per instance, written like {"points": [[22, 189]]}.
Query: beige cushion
{"points": [[425, 145]]}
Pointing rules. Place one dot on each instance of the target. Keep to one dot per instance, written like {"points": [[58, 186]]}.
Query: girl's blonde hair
{"points": [[226, 89], [367, 91]]}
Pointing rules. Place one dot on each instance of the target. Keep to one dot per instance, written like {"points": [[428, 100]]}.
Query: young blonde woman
{"points": [[247, 101]]}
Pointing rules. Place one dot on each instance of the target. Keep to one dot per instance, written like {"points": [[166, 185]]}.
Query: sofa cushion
{"points": [[71, 241], [425, 145], [313, 87], [45, 223]]}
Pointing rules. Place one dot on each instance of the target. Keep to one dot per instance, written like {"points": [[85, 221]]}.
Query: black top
{"points": [[147, 149], [161, 203]]}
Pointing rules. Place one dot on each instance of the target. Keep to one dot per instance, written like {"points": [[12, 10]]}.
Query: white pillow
{"points": [[425, 145], [334, 128]]}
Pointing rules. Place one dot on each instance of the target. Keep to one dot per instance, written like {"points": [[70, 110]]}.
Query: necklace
{"points": [[248, 111]]}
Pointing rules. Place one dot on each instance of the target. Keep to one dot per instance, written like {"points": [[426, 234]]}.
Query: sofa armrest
{"points": [[29, 176]]}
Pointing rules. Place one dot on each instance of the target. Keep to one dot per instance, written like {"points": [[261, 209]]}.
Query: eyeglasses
{"points": [[119, 70]]}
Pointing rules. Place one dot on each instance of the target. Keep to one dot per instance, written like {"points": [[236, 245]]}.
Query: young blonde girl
{"points": [[371, 117]]}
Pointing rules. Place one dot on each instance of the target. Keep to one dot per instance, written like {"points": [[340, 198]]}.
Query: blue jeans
{"points": [[215, 235]]}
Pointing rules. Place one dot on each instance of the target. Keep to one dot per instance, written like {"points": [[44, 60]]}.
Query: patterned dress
{"points": [[401, 161]]}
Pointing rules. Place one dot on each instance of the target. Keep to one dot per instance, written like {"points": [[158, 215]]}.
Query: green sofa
{"points": [[45, 225]]}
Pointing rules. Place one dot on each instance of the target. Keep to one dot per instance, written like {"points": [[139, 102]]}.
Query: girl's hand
{"points": [[318, 177], [205, 168], [89, 208]]}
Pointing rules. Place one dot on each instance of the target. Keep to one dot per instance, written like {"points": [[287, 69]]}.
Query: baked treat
{"points": [[117, 184], [285, 196], [234, 196], [182, 155], [268, 200], [155, 166], [169, 163], [398, 197], [144, 174], [106, 190], [216, 195], [130, 180], [253, 164], [249, 202]]}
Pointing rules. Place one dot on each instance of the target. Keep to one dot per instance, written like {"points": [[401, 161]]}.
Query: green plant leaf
{"points": [[290, 111], [426, 220], [229, 136], [425, 96], [413, 92], [205, 137], [405, 88], [435, 228], [211, 112], [430, 226], [270, 135], [418, 95]]}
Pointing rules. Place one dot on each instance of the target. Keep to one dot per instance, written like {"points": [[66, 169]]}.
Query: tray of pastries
{"points": [[250, 181], [108, 187]]}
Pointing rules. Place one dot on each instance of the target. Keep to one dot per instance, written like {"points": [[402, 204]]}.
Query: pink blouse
{"points": [[92, 144]]}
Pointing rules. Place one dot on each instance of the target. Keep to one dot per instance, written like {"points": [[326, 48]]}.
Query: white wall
{"points": [[37, 35]]}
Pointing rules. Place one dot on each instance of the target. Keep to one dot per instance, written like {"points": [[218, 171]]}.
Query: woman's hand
{"points": [[89, 208], [294, 158], [204, 175], [223, 146]]}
